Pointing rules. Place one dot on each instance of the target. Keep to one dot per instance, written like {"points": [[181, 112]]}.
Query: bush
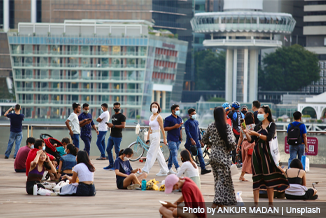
{"points": [[319, 121]]}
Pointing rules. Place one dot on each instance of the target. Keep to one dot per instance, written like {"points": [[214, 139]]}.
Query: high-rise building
{"points": [[95, 61]]}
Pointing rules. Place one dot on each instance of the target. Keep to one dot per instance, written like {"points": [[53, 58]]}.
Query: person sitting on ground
{"points": [[68, 161], [20, 161], [39, 145], [189, 168], [297, 180], [125, 175], [62, 149], [85, 172], [191, 196], [38, 166]]}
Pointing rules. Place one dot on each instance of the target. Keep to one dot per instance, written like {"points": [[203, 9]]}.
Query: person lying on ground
{"points": [[68, 161], [125, 175], [20, 161]]}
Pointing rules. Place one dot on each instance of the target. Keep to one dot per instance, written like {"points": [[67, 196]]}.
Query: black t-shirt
{"points": [[255, 116], [117, 119]]}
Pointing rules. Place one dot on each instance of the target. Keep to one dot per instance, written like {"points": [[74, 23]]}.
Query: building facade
{"points": [[94, 61]]}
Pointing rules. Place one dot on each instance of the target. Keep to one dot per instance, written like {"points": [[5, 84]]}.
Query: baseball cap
{"points": [[170, 181]]}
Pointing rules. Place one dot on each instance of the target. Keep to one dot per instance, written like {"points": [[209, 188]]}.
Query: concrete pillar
{"points": [[253, 75], [234, 79], [163, 100], [33, 11], [153, 95], [228, 74], [158, 94], [5, 15], [245, 76]]}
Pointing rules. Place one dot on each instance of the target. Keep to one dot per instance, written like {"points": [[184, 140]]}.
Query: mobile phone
{"points": [[243, 123], [89, 119], [163, 202], [106, 123]]}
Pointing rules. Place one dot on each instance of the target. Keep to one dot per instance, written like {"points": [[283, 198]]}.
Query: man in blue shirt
{"points": [[193, 138], [86, 123], [303, 146], [16, 134], [172, 124]]}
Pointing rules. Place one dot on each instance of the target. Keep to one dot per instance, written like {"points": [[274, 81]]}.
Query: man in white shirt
{"points": [[102, 128], [73, 127]]}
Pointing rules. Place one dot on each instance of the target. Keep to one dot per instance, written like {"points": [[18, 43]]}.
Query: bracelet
{"points": [[259, 135]]}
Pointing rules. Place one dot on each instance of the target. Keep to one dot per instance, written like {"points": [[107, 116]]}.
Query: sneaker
{"points": [[112, 169], [204, 171], [161, 173], [133, 187], [108, 167], [171, 172], [6, 157]]}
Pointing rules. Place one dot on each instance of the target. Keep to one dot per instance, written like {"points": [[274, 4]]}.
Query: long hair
{"points": [[249, 118], [72, 149], [219, 117], [268, 111], [82, 157], [185, 154]]}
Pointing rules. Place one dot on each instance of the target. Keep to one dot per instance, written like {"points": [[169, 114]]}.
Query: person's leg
{"points": [[178, 212], [301, 151], [18, 140], [174, 154], [200, 156], [117, 142], [88, 145], [99, 140], [270, 194], [132, 178], [293, 154], [10, 144], [152, 152], [166, 212], [171, 146], [103, 143], [161, 160], [256, 197], [109, 150]]}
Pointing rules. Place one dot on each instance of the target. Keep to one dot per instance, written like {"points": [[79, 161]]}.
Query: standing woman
{"points": [[245, 146], [220, 138], [265, 173], [154, 152]]}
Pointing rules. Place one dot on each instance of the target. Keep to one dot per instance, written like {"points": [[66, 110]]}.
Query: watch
{"points": [[113, 126]]}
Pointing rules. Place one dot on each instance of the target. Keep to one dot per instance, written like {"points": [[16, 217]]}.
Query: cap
{"points": [[170, 181], [244, 106]]}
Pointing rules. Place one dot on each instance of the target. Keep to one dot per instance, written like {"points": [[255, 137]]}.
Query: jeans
{"points": [[14, 137], [116, 142], [199, 154], [20, 170], [85, 190], [101, 142], [173, 159], [75, 140], [87, 141], [294, 150]]}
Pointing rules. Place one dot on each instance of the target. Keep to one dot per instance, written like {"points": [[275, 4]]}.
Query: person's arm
{"points": [[122, 126], [304, 182], [240, 141], [84, 122], [60, 166], [160, 122], [69, 128], [167, 126], [305, 142], [187, 130], [7, 112], [182, 170], [179, 201], [72, 178], [180, 134], [118, 173], [35, 161], [53, 170], [199, 135], [100, 118], [94, 127]]}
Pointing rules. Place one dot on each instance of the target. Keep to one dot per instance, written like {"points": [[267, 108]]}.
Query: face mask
{"points": [[154, 110], [260, 117], [102, 110], [32, 146], [116, 110], [86, 111], [193, 116], [244, 112], [177, 113], [43, 148], [126, 159]]}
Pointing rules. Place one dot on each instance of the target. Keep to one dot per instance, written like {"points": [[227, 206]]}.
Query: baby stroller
{"points": [[50, 146]]}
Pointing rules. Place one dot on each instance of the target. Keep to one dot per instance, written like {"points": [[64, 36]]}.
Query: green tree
{"points": [[289, 69], [210, 70]]}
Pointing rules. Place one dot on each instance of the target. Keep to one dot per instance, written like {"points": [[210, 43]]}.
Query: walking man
{"points": [[118, 123], [16, 130], [102, 128], [255, 107], [173, 125], [86, 123], [74, 128]]}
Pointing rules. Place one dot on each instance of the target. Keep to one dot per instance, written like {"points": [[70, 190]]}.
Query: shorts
{"points": [[120, 184]]}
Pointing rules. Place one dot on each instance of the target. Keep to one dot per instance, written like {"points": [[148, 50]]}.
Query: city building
{"points": [[95, 61], [243, 30]]}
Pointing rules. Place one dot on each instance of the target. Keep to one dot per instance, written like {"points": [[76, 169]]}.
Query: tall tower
{"points": [[243, 29]]}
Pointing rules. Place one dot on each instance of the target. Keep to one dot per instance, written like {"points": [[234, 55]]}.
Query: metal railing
{"points": [[76, 66], [123, 103], [79, 53], [79, 90], [59, 77]]}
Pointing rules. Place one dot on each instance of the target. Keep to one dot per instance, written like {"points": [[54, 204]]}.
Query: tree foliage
{"points": [[210, 70], [288, 69]]}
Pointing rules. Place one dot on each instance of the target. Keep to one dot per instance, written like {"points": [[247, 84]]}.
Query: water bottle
{"points": [[137, 129], [145, 136], [143, 185], [35, 189]]}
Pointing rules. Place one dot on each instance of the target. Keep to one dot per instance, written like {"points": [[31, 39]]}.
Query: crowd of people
{"points": [[240, 134]]}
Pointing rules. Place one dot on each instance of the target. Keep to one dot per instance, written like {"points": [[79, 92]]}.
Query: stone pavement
{"points": [[109, 201]]}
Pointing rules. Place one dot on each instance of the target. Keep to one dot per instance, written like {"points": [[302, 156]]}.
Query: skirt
{"points": [[246, 159]]}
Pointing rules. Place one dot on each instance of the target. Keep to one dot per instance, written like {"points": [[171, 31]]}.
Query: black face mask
{"points": [[116, 110], [244, 112]]}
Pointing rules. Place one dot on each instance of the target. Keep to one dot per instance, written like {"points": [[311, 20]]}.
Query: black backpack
{"points": [[294, 136]]}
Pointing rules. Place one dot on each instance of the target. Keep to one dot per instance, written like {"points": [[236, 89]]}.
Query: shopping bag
{"points": [[250, 150], [305, 163], [273, 146]]}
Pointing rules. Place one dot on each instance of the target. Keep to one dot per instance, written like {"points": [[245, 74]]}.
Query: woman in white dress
{"points": [[154, 152]]}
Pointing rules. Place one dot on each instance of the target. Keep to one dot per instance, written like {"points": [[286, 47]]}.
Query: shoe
{"points": [[161, 173], [171, 172], [6, 157], [101, 158], [108, 167], [133, 187], [204, 171]]}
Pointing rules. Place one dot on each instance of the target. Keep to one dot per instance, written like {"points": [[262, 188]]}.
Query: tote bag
{"points": [[273, 146], [305, 163]]}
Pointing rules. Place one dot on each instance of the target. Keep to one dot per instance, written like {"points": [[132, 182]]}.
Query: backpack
{"points": [[294, 136]]}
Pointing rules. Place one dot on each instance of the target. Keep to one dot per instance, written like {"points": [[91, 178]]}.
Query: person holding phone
{"points": [[86, 123], [173, 125]]}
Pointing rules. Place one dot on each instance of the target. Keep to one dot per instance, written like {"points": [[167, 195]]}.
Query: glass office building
{"points": [[94, 61]]}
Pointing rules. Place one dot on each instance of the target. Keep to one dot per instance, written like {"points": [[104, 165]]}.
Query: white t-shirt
{"points": [[188, 170], [105, 118], [74, 123], [83, 173]]}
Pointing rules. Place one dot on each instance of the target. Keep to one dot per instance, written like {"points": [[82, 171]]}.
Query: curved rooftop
{"points": [[243, 21]]}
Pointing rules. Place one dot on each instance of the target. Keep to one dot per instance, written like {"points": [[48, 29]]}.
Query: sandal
{"points": [[243, 180]]}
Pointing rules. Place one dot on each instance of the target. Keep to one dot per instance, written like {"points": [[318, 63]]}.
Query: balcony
{"points": [[63, 78], [80, 66], [76, 90], [165, 70], [78, 53], [165, 58], [68, 102]]}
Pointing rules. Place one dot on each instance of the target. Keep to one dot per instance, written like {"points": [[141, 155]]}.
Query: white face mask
{"points": [[43, 148], [32, 146], [126, 159], [154, 110]]}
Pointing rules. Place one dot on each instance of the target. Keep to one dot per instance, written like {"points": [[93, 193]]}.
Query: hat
{"points": [[244, 106], [170, 181]]}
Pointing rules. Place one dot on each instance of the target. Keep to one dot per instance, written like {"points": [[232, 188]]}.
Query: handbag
{"points": [[250, 150], [273, 146]]}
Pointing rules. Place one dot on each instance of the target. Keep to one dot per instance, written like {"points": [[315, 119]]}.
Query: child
{"points": [[67, 162], [189, 168], [61, 150]]}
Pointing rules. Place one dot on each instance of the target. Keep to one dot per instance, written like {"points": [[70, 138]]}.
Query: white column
{"points": [[228, 74], [33, 11], [234, 79], [245, 76], [158, 94], [253, 75], [153, 95], [5, 15], [163, 100]]}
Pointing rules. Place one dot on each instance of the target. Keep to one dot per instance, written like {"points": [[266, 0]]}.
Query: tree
{"points": [[289, 69], [210, 70]]}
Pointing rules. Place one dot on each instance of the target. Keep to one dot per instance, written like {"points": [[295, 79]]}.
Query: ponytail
{"points": [[127, 151], [72, 149]]}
